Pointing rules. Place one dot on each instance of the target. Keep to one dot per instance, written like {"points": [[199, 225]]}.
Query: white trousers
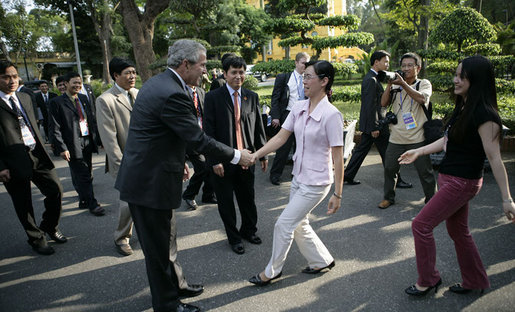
{"points": [[293, 223]]}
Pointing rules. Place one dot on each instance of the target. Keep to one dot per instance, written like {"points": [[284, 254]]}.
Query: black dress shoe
{"points": [[402, 184], [275, 180], [58, 237], [256, 280], [192, 291], [184, 307], [413, 291], [458, 289], [352, 181], [97, 211], [41, 247], [209, 200], [238, 248], [191, 204], [253, 239], [309, 270]]}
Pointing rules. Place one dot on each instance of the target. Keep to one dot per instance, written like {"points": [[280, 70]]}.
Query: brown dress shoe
{"points": [[124, 249], [384, 204]]}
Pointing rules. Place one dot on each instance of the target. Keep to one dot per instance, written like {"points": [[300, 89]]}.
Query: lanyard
{"points": [[402, 101]]}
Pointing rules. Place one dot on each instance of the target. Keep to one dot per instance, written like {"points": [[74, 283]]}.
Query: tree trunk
{"points": [[103, 27], [140, 28], [423, 31]]}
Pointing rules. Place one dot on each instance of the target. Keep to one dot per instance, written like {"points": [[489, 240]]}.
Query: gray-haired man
{"points": [[163, 123]]}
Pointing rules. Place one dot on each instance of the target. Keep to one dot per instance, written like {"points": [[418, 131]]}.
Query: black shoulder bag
{"points": [[433, 128]]}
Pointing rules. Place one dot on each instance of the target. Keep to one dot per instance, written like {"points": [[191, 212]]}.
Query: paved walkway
{"points": [[373, 249]]}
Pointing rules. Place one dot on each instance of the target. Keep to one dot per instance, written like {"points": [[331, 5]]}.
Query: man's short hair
{"points": [[415, 56], [70, 76], [117, 65], [226, 55], [377, 56], [4, 64], [235, 62], [42, 82], [60, 79], [301, 55], [184, 49]]}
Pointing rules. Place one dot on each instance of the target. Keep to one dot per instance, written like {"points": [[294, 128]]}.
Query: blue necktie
{"points": [[300, 89]]}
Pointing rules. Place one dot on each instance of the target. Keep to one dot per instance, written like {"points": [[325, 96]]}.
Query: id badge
{"points": [[409, 120], [84, 127], [28, 138]]}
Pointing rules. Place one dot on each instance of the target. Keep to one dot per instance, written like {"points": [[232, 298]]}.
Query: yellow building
{"points": [[334, 7]]}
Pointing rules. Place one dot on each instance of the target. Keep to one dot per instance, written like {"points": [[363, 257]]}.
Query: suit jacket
{"points": [[219, 120], [163, 121], [32, 95], [13, 153], [217, 83], [113, 112], [280, 95], [371, 91], [65, 128], [88, 90], [42, 105]]}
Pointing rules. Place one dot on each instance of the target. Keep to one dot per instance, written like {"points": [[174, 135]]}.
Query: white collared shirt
{"points": [[124, 92], [295, 79], [6, 98]]}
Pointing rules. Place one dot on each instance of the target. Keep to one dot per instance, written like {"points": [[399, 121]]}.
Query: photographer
{"points": [[407, 95]]}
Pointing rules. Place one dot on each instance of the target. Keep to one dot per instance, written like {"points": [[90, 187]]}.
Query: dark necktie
{"points": [[79, 110], [24, 121]]}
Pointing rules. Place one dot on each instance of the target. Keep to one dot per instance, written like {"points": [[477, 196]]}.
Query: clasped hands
{"points": [[247, 159]]}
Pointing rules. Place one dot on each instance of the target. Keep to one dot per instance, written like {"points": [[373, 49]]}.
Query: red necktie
{"points": [[77, 105], [197, 108], [239, 137]]}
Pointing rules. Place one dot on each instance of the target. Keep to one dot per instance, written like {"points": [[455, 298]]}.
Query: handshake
{"points": [[247, 159]]}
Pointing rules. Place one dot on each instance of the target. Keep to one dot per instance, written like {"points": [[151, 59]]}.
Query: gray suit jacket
{"points": [[163, 122], [113, 117], [371, 91]]}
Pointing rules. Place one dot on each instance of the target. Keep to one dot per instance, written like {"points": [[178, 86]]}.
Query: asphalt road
{"points": [[373, 249]]}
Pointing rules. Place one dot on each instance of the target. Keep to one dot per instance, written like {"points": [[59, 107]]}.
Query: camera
{"points": [[390, 118], [386, 76]]}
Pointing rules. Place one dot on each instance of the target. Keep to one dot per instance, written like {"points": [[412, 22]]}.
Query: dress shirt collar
{"points": [[184, 86], [316, 114], [6, 98], [374, 71], [122, 90], [231, 90]]}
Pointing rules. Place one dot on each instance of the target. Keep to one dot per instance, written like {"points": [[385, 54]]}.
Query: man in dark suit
{"points": [[87, 90], [23, 159], [370, 114], [233, 117], [201, 171], [74, 131], [24, 89], [163, 123], [43, 99], [288, 89]]}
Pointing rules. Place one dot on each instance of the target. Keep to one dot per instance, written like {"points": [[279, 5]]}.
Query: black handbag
{"points": [[433, 128]]}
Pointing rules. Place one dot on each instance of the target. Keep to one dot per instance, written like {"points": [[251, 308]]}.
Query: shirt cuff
{"points": [[236, 159]]}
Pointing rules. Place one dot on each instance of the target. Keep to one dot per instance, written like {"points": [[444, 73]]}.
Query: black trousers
{"points": [[239, 182], [80, 169], [200, 176], [281, 155], [153, 227], [361, 151], [48, 183]]}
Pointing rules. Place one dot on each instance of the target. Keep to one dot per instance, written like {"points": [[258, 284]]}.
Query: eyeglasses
{"points": [[309, 77], [407, 66]]}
